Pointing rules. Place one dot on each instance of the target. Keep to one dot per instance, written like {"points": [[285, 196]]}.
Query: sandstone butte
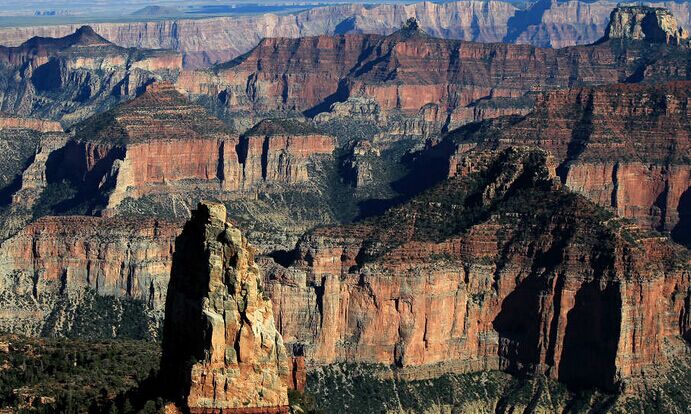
{"points": [[623, 146], [72, 77], [161, 143], [204, 42], [645, 23], [221, 350], [497, 268], [446, 83]]}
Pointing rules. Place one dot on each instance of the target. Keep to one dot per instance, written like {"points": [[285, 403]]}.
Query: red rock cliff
{"points": [[463, 279], [59, 257], [208, 41], [159, 143], [410, 70], [277, 151], [624, 146]]}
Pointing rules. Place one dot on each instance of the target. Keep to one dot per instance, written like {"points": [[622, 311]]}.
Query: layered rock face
{"points": [[25, 144], [442, 83], [221, 350], [34, 124], [159, 143], [204, 42], [156, 142], [646, 23], [72, 77], [278, 151], [623, 146], [495, 269], [49, 268]]}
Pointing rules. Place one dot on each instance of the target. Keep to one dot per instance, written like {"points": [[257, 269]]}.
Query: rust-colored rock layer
{"points": [[59, 257], [623, 146], [446, 82], [162, 143], [204, 42], [35, 124], [495, 269]]}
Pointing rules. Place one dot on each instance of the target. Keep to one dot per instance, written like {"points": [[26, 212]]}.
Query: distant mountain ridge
{"points": [[203, 42]]}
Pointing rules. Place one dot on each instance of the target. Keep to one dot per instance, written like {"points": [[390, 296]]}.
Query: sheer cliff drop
{"points": [[221, 349]]}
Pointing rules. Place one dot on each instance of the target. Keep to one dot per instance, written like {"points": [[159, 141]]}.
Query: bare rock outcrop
{"points": [[50, 269], [625, 147], [72, 77], [277, 151], [498, 268], [645, 23], [161, 144], [221, 350], [204, 42], [434, 83]]}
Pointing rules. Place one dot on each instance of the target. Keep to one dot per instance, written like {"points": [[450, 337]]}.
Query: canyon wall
{"points": [[278, 151], [204, 42], [159, 143], [50, 267], [625, 147], [70, 78], [466, 277], [441, 83], [646, 23]]}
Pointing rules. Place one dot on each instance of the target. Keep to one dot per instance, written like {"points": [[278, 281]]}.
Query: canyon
{"points": [[70, 78], [416, 207], [475, 274], [436, 82], [204, 42], [625, 147]]}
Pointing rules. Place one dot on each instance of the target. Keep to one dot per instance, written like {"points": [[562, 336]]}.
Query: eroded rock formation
{"points": [[498, 268], [221, 350], [49, 270], [25, 144], [204, 42], [645, 23], [161, 144], [72, 77], [435, 82], [277, 151], [623, 146]]}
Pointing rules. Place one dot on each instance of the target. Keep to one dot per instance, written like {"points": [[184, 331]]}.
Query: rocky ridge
{"points": [[72, 77], [219, 319], [204, 42], [646, 23], [433, 83], [625, 147], [161, 144], [476, 274]]}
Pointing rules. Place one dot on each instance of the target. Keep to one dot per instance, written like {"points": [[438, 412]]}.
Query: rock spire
{"points": [[221, 349]]}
